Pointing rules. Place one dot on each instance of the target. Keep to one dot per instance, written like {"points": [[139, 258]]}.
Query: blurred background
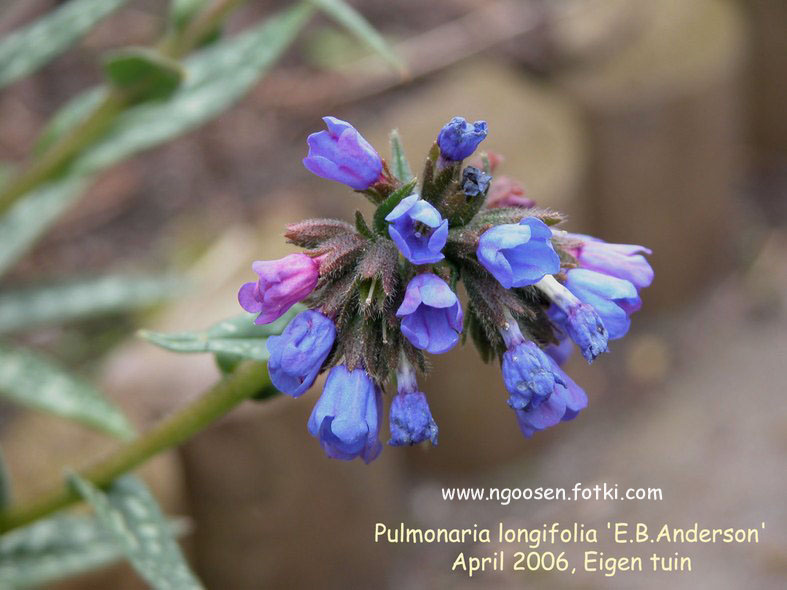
{"points": [[655, 123]]}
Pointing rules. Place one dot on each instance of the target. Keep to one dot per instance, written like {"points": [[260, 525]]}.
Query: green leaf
{"points": [[355, 23], [389, 204], [401, 167], [24, 51], [182, 12], [144, 73], [362, 226], [132, 516], [28, 218], [238, 336], [215, 78], [37, 382], [53, 303]]}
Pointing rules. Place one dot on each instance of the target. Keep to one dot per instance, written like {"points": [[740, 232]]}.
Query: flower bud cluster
{"points": [[381, 297]]}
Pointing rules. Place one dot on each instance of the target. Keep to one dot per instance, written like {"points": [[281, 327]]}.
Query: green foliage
{"points": [[37, 382], [57, 303], [24, 51], [182, 12], [5, 487], [235, 338], [215, 78], [356, 24], [143, 73], [28, 219], [380, 225], [131, 515], [401, 167], [362, 226]]}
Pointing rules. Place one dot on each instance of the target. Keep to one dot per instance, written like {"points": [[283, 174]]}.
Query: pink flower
{"points": [[506, 192], [282, 284]]}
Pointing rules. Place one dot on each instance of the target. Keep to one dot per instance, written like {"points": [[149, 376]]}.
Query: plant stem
{"points": [[249, 380]]}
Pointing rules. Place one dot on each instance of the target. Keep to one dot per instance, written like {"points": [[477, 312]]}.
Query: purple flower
{"points": [[458, 138], [282, 284], [411, 419], [565, 403], [518, 255], [418, 230], [431, 314], [347, 417], [612, 298], [624, 261], [343, 155], [297, 355]]}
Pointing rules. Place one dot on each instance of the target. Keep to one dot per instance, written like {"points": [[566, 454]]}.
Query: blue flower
{"points": [[614, 299], [518, 255], [297, 355], [528, 375], [418, 230], [458, 138], [431, 314], [585, 327], [411, 420], [565, 403], [343, 155], [347, 417]]}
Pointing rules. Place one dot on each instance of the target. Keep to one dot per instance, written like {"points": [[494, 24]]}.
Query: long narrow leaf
{"points": [[59, 547], [37, 382], [22, 225], [24, 51], [27, 308], [130, 513], [356, 24]]}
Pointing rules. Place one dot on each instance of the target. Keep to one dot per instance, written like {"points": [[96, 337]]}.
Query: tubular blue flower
{"points": [[581, 321], [527, 370], [624, 261], [418, 230], [565, 403], [411, 420], [282, 284], [518, 255], [348, 415], [431, 314], [614, 299], [458, 138], [297, 355], [343, 155]]}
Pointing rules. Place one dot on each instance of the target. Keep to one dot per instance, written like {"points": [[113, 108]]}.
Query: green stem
{"points": [[249, 380]]}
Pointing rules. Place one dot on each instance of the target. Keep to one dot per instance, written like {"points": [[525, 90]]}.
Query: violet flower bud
{"points": [[527, 370], [624, 261], [582, 321], [418, 230], [282, 284], [458, 138], [431, 314], [565, 403], [411, 420], [475, 182], [518, 255], [348, 415], [297, 355], [343, 155]]}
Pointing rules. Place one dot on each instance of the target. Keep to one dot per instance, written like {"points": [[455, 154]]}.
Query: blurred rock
{"points": [[665, 123]]}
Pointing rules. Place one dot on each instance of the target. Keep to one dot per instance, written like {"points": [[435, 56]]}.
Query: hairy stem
{"points": [[249, 380]]}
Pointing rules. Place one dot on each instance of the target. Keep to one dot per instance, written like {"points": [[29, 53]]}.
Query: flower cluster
{"points": [[381, 297]]}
